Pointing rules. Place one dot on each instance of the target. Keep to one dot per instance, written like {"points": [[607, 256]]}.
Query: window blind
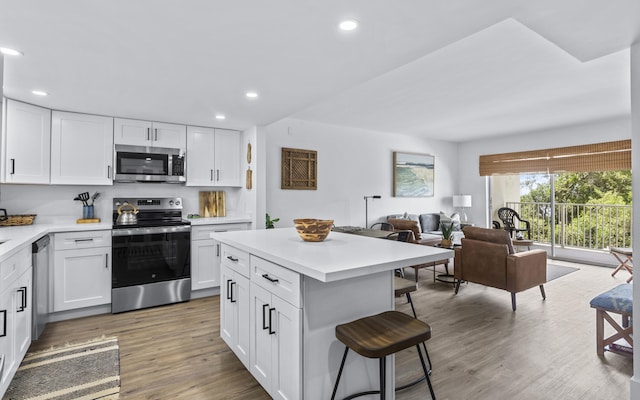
{"points": [[608, 156]]}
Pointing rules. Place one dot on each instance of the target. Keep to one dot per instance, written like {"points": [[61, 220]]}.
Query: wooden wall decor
{"points": [[299, 169]]}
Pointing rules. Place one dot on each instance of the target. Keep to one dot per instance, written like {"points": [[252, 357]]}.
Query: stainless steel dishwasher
{"points": [[40, 260]]}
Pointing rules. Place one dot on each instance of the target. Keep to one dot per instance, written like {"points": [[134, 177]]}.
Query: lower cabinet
{"points": [[261, 320], [81, 270], [234, 313], [205, 254], [275, 331], [15, 324]]}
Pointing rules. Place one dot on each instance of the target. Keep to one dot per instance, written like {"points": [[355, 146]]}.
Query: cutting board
{"points": [[212, 204]]}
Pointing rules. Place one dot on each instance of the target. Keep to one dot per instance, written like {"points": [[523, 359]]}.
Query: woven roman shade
{"points": [[609, 156]]}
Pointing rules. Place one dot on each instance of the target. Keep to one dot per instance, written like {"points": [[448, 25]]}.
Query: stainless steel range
{"points": [[151, 253]]}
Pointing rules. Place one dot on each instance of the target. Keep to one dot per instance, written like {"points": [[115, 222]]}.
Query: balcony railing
{"points": [[588, 226]]}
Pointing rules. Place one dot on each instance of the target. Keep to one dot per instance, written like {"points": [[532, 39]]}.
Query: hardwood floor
{"points": [[480, 348]]}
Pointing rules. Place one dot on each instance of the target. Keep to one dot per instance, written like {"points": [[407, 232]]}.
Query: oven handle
{"points": [[150, 230]]}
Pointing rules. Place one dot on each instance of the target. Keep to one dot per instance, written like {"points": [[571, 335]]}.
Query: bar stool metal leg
{"points": [[344, 358], [424, 345]]}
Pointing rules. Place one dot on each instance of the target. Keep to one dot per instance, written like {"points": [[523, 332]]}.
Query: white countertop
{"points": [[219, 220], [15, 237], [339, 256]]}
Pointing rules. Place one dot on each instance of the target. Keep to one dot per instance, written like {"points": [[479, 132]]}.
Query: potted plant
{"points": [[447, 234], [270, 223]]}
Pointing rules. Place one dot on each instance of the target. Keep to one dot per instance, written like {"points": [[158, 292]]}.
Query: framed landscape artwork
{"points": [[413, 175]]}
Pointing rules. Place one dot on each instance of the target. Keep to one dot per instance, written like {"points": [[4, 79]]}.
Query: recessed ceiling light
{"points": [[10, 52], [220, 116], [348, 25], [39, 93], [252, 95]]}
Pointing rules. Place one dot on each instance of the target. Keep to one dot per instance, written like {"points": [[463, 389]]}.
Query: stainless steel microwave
{"points": [[149, 164]]}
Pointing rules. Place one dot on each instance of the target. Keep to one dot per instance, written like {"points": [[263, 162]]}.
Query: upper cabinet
{"points": [[213, 157], [26, 143], [145, 133], [81, 149]]}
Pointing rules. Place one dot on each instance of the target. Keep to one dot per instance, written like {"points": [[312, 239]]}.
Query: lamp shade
{"points": [[462, 200]]}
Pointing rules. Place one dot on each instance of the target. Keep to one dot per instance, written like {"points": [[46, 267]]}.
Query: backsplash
{"points": [[57, 200]]}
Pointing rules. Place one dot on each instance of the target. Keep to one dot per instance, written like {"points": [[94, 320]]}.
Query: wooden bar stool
{"points": [[378, 336], [624, 255]]}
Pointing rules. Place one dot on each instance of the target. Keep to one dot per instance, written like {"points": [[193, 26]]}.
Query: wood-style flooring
{"points": [[480, 349]]}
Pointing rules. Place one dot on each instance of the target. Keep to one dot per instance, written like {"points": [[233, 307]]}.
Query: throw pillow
{"points": [[411, 217], [406, 224], [453, 219]]}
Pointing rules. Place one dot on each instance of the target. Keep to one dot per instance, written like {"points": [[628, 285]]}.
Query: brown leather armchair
{"points": [[487, 257]]}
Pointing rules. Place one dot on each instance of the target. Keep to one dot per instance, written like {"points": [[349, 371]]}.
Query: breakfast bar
{"points": [[281, 298]]}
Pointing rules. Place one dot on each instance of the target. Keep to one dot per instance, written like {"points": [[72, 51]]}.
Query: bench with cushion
{"points": [[618, 300]]}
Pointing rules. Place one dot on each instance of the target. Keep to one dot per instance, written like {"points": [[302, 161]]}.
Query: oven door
{"points": [[148, 255]]}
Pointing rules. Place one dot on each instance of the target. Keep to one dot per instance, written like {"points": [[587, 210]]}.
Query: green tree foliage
{"points": [[582, 212]]}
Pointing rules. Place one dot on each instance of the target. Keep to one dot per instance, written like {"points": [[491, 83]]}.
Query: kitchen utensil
{"points": [[94, 197], [84, 197], [127, 214]]}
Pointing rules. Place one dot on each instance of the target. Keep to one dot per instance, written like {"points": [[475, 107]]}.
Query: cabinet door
{"points": [[243, 320], [81, 149], [235, 314], [169, 135], [227, 158], [287, 351], [260, 353], [132, 131], [82, 278], [200, 156], [205, 264], [27, 143], [7, 337], [24, 310], [228, 311]]}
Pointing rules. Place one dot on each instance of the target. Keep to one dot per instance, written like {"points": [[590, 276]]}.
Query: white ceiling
{"points": [[453, 70]]}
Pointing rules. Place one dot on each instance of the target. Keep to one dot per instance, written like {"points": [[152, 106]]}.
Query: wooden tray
{"points": [[88, 221], [17, 220]]}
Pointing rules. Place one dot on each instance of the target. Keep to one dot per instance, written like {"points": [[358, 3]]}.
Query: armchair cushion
{"points": [[489, 235], [406, 224]]}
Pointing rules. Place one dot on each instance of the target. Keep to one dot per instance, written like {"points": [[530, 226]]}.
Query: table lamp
{"points": [[462, 201]]}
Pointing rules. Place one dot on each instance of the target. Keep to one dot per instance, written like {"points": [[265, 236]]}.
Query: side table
{"points": [[446, 277]]}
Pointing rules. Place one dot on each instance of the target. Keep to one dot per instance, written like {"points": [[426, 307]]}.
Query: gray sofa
{"points": [[428, 224]]}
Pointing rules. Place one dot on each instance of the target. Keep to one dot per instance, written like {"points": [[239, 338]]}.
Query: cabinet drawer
{"points": [[235, 259], [82, 240], [14, 266], [278, 280], [203, 232]]}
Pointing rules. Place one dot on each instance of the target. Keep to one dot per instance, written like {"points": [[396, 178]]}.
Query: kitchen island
{"points": [[281, 299]]}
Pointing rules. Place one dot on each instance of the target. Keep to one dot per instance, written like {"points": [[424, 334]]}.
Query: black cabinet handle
{"points": [[264, 318], [232, 259], [271, 331], [232, 286], [148, 133], [218, 250], [270, 279], [108, 171], [228, 289], [13, 166], [106, 260], [23, 298], [4, 323]]}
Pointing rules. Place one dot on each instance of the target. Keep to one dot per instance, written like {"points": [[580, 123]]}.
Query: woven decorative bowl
{"points": [[313, 230]]}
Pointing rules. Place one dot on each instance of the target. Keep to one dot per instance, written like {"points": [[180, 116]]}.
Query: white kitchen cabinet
{"points": [[15, 313], [213, 157], [234, 303], [26, 143], [275, 351], [81, 270], [81, 149], [205, 254], [146, 133]]}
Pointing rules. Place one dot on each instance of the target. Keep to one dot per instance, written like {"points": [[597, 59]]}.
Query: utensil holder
{"points": [[87, 212]]}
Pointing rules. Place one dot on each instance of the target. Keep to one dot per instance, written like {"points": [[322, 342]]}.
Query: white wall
{"points": [[472, 183], [352, 163]]}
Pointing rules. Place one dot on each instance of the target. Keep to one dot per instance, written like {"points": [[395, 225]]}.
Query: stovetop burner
{"points": [[152, 212]]}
